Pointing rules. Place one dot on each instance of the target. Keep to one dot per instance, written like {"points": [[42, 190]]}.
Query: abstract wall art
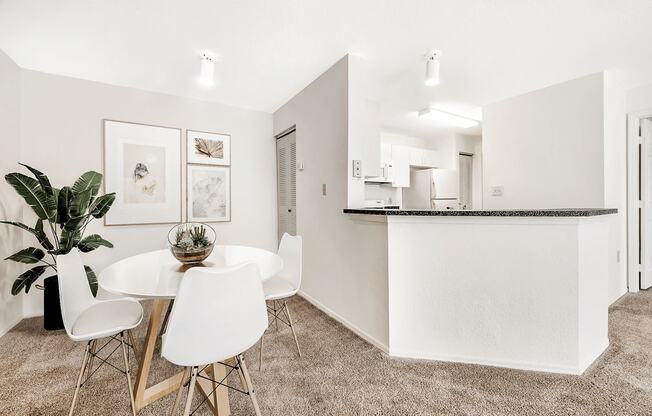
{"points": [[208, 148], [142, 165], [209, 193]]}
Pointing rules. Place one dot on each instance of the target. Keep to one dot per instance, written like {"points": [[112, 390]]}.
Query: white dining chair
{"points": [[284, 285], [217, 315], [87, 319]]}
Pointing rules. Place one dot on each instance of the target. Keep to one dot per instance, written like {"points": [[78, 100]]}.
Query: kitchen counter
{"points": [[524, 289], [563, 212]]}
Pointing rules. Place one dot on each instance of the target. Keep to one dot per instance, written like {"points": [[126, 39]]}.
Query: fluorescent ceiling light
{"points": [[207, 71], [448, 118], [432, 68]]}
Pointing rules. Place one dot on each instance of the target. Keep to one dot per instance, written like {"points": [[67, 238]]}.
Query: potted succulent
{"points": [[191, 243], [62, 217]]}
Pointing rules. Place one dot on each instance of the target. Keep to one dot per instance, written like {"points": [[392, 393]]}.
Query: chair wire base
{"points": [[197, 373], [91, 353], [275, 313]]}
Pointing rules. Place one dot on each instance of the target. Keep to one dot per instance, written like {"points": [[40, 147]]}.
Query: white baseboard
{"points": [[518, 365], [351, 327], [8, 327]]}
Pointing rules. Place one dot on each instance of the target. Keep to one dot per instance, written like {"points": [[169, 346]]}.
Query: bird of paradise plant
{"points": [[63, 215]]}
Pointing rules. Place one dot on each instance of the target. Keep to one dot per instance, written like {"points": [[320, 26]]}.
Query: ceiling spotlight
{"points": [[207, 72], [448, 118], [432, 68]]}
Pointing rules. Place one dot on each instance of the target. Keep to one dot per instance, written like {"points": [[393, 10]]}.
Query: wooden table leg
{"points": [[219, 401]]}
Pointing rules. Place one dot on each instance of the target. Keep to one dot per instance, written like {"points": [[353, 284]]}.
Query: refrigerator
{"points": [[432, 189]]}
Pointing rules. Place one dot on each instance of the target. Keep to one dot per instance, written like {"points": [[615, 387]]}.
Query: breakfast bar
{"points": [[522, 289]]}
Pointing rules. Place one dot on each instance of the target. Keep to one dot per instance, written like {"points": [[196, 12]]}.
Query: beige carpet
{"points": [[340, 374]]}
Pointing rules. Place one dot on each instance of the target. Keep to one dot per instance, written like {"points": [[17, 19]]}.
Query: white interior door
{"points": [[466, 180], [286, 162], [646, 210]]}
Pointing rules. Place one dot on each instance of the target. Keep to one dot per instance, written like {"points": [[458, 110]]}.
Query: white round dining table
{"points": [[156, 275]]}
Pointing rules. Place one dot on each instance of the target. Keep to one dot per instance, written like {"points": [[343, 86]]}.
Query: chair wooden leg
{"points": [[260, 354], [250, 387], [191, 390], [287, 313], [178, 398], [128, 373], [79, 379], [91, 357]]}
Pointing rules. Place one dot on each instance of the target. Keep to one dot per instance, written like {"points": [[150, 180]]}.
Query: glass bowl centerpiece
{"points": [[191, 242]]}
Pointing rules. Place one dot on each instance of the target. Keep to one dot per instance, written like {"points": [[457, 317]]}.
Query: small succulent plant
{"points": [[191, 237]]}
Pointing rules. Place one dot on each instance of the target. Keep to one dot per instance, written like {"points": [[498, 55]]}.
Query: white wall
{"points": [[546, 148], [344, 263], [615, 179], [11, 238], [562, 147], [61, 131]]}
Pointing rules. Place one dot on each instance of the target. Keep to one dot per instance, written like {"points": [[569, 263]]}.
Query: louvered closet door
{"points": [[286, 160]]}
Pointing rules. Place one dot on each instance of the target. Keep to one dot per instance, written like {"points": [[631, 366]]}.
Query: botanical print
{"points": [[144, 174], [209, 194], [208, 148]]}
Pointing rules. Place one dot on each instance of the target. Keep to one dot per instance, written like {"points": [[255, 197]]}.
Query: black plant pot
{"points": [[52, 319]]}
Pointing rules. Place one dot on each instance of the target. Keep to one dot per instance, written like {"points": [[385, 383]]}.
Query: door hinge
{"points": [[639, 268], [640, 203]]}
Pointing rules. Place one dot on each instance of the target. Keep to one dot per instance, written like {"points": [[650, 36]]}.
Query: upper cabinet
{"points": [[424, 158], [400, 166]]}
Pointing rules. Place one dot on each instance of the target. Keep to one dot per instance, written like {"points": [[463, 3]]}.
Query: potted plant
{"points": [[62, 217]]}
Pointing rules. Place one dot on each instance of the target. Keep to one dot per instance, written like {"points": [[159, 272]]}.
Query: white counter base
{"points": [[519, 292]]}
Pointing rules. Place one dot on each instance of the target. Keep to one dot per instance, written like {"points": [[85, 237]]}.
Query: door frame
{"points": [[633, 183], [282, 134]]}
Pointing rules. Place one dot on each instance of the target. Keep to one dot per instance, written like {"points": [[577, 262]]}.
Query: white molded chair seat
{"points": [[217, 315], [284, 285], [278, 287], [107, 318], [89, 319]]}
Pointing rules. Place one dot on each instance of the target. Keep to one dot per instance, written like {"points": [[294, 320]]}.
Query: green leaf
{"points": [[43, 204], [28, 255], [69, 239], [42, 179], [91, 242], [101, 205], [92, 279], [37, 232], [26, 279], [89, 180], [79, 203], [41, 236], [63, 204]]}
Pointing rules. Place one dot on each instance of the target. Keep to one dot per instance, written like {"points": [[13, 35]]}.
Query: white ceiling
{"points": [[270, 50]]}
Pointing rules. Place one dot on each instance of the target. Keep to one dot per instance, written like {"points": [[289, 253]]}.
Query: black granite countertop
{"points": [[563, 212]]}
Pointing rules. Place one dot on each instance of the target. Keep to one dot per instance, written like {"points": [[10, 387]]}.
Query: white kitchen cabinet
{"points": [[400, 166], [424, 158]]}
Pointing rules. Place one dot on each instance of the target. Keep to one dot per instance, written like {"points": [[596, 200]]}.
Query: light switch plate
{"points": [[323, 189], [497, 191], [357, 168]]}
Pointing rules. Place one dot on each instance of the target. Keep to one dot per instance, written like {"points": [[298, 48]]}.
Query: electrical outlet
{"points": [[323, 189], [618, 256], [497, 191], [357, 168]]}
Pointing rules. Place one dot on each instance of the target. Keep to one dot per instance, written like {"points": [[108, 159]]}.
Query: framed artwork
{"points": [[142, 165], [209, 193], [208, 148]]}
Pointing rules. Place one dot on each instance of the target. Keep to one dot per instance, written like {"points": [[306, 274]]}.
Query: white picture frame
{"points": [[142, 165], [208, 193], [205, 148]]}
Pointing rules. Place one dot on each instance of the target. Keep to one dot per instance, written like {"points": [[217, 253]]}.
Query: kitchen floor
{"points": [[340, 374]]}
